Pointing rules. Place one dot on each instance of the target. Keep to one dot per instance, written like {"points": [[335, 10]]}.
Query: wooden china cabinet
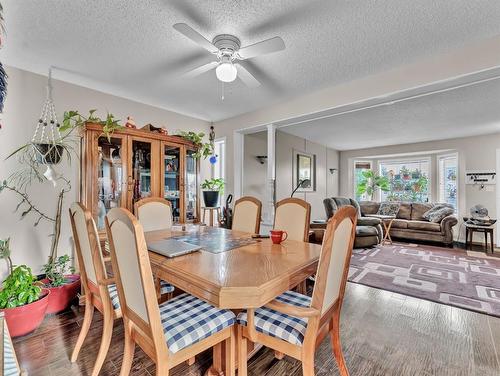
{"points": [[135, 164]]}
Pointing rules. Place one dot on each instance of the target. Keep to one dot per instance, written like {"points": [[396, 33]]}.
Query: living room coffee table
{"points": [[387, 222]]}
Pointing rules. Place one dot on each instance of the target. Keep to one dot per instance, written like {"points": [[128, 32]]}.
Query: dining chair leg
{"points": [[230, 353], [87, 320], [217, 359], [107, 332], [128, 353], [242, 353], [337, 346], [302, 287], [190, 361], [162, 369], [308, 367]]}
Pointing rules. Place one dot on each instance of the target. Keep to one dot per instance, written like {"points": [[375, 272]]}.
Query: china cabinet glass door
{"points": [[191, 187], [143, 179], [110, 177], [172, 179]]}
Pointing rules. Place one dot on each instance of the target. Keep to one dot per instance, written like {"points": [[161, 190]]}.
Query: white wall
{"points": [[26, 95], [255, 174], [474, 153]]}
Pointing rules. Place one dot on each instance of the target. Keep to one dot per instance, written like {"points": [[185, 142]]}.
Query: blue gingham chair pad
{"points": [[113, 294], [280, 325], [10, 367], [187, 320], [166, 287]]}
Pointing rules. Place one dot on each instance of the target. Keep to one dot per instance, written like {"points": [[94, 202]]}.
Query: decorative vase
{"points": [[211, 198], [27, 318], [61, 296]]}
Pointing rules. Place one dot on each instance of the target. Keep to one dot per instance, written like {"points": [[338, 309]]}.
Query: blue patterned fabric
{"points": [[113, 294], [187, 320], [279, 325], [166, 287], [10, 367]]}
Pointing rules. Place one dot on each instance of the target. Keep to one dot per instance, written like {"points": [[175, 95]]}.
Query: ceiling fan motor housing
{"points": [[227, 44]]}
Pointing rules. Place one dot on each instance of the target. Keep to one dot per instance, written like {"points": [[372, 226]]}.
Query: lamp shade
{"points": [[226, 72]]}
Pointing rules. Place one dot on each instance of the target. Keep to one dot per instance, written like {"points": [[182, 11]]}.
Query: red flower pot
{"points": [[61, 296], [27, 318]]}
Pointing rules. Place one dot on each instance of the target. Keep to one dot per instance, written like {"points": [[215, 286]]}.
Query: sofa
{"points": [[411, 225], [368, 230]]}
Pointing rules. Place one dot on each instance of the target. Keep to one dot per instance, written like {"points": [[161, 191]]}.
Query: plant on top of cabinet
{"points": [[73, 120], [203, 149]]}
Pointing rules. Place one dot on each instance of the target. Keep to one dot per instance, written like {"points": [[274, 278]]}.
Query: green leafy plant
{"points": [[73, 120], [370, 181], [55, 271], [203, 149], [215, 184], [5, 252], [19, 288]]}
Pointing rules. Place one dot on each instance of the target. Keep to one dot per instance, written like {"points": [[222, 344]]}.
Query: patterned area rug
{"points": [[442, 275]]}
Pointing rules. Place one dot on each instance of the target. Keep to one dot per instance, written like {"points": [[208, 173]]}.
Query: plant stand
{"points": [[211, 213]]}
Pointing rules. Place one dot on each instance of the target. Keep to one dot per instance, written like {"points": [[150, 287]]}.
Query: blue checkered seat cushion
{"points": [[166, 287], [280, 325], [113, 294], [10, 367], [187, 320]]}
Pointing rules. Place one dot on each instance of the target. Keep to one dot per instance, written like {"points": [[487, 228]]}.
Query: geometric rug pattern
{"points": [[442, 275]]}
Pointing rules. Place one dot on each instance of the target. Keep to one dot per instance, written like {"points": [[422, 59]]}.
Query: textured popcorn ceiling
{"points": [[129, 48]]}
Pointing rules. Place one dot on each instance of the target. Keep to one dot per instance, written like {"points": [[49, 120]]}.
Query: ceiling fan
{"points": [[230, 56]]}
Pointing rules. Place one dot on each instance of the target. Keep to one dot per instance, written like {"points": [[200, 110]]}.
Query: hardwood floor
{"points": [[383, 333]]}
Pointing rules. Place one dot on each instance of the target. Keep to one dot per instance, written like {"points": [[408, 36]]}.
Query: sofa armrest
{"points": [[368, 221], [448, 222]]}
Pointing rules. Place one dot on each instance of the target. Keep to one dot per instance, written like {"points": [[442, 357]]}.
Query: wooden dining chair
{"points": [[100, 291], [295, 324], [293, 216], [169, 333], [155, 213], [246, 216]]}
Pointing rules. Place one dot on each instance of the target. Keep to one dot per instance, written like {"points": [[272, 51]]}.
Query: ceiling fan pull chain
{"points": [[222, 96]]}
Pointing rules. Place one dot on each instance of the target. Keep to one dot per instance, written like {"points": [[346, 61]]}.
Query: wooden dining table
{"points": [[233, 270]]}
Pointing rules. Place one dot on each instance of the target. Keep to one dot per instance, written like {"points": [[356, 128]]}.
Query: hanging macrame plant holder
{"points": [[46, 140]]}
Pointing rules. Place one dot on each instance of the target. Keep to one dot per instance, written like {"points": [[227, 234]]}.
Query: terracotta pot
{"points": [[27, 318], [61, 296]]}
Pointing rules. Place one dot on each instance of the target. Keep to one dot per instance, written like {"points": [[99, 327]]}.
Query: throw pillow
{"points": [[388, 208], [437, 213]]}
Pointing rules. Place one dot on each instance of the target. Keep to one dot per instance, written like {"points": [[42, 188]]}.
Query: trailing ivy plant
{"points": [[55, 271], [74, 120], [19, 288], [203, 149]]}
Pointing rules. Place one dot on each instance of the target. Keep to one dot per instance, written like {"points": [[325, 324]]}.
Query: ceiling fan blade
{"points": [[200, 70], [196, 37], [245, 76], [261, 48]]}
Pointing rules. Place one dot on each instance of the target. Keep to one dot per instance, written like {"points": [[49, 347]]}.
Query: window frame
{"points": [[354, 183], [428, 158], [439, 157]]}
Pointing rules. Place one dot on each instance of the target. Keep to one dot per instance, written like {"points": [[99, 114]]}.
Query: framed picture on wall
{"points": [[305, 172]]}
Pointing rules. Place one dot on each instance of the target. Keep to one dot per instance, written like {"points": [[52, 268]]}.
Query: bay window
{"points": [[408, 180]]}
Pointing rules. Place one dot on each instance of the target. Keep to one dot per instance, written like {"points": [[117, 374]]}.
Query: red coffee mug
{"points": [[277, 236]]}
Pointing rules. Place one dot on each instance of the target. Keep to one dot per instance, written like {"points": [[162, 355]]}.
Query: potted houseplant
{"points": [[62, 283], [211, 190], [370, 181], [23, 301], [203, 149], [405, 173]]}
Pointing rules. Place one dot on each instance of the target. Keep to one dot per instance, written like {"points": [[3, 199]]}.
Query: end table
{"points": [[387, 222]]}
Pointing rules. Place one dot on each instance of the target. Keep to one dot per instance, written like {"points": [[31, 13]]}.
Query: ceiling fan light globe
{"points": [[226, 72]]}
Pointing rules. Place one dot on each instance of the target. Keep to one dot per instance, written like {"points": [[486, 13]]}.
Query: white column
{"points": [[271, 173], [239, 145]]}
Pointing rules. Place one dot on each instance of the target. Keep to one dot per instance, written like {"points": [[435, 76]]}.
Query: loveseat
{"points": [[368, 230], [411, 225]]}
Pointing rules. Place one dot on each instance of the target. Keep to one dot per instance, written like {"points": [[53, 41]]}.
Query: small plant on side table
{"points": [[211, 190]]}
